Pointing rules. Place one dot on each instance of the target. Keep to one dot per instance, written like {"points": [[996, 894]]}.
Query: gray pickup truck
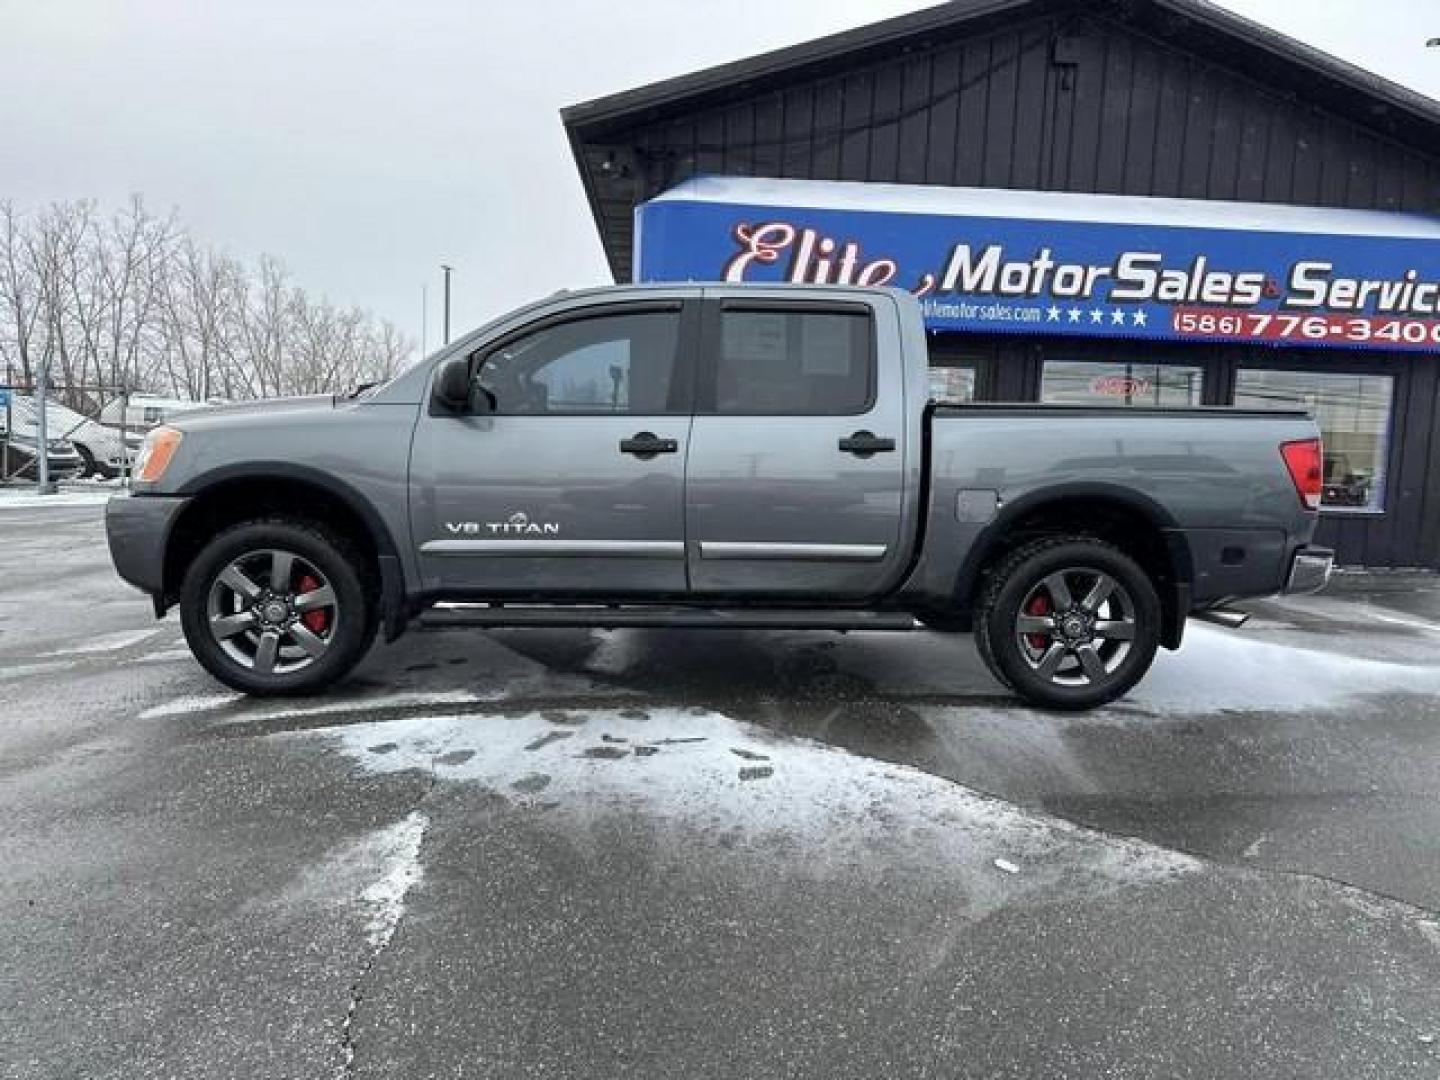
{"points": [[692, 456]]}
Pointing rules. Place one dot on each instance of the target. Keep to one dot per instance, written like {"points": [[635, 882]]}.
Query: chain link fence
{"points": [[82, 433]]}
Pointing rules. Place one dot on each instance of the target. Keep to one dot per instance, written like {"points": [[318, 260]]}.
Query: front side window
{"points": [[605, 364], [1108, 383], [1353, 412], [795, 363]]}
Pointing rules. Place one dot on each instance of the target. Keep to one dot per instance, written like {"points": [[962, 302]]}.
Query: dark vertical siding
{"points": [[943, 117], [1087, 105], [1118, 113]]}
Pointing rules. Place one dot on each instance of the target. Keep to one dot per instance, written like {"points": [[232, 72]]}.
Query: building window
{"points": [[1354, 416], [1112, 383], [953, 384], [795, 363]]}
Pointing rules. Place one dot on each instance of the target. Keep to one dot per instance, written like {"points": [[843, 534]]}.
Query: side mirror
{"points": [[452, 385]]}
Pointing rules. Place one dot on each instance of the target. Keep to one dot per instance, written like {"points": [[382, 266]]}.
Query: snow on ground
{"points": [[165, 656], [105, 643], [374, 703], [1222, 669], [26, 671], [825, 810], [25, 498], [185, 706], [372, 874], [396, 851], [1214, 670]]}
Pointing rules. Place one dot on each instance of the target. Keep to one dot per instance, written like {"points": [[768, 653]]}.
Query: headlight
{"points": [[155, 453]]}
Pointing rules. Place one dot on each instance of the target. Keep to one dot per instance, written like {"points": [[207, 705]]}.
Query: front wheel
{"points": [[1070, 622], [277, 607]]}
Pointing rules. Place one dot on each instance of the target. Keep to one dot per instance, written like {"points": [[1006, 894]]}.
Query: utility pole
{"points": [[447, 302], [42, 440]]}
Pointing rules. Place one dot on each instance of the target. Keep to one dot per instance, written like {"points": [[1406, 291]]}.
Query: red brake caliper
{"points": [[315, 621], [1039, 605]]}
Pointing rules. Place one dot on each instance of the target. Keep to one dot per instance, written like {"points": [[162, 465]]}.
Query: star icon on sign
{"points": [[1117, 317], [1075, 314], [1052, 315], [1139, 318], [1097, 316]]}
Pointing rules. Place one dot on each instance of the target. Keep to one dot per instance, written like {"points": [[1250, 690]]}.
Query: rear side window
{"points": [[796, 363]]}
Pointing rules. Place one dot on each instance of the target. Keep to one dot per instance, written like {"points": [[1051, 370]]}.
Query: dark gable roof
{"points": [[1196, 24], [1198, 27]]}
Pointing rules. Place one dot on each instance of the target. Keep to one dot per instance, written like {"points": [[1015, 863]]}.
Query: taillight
{"points": [[1307, 468]]}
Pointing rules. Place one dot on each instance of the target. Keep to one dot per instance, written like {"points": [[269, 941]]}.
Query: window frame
{"points": [[681, 394], [707, 388]]}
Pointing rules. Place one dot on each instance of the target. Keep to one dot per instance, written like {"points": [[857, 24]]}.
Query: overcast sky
{"points": [[365, 141]]}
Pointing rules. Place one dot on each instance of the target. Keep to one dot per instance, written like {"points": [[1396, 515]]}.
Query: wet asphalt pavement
{"points": [[691, 854]]}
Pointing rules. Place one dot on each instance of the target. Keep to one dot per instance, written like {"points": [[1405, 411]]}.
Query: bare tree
{"points": [[133, 301], [20, 296]]}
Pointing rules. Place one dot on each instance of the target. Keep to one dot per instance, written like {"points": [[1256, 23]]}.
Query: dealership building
{"points": [[1120, 202]]}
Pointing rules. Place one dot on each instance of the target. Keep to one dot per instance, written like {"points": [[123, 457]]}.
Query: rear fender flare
{"points": [[1176, 603]]}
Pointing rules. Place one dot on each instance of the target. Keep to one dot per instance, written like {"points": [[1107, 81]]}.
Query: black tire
{"points": [[88, 465], [987, 653], [240, 658], [1083, 658]]}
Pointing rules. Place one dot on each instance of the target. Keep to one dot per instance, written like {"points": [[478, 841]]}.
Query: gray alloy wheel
{"points": [[1075, 627], [273, 612], [1068, 621]]}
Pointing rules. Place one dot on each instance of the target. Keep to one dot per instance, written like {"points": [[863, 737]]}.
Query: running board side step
{"points": [[446, 616], [1230, 620]]}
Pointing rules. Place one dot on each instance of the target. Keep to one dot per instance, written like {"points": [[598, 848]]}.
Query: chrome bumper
{"points": [[1310, 571]]}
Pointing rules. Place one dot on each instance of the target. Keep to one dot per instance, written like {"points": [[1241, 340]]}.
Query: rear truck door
{"points": [[571, 481], [796, 483]]}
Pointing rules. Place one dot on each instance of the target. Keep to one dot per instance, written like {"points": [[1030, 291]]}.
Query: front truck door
{"points": [[797, 467], [570, 481]]}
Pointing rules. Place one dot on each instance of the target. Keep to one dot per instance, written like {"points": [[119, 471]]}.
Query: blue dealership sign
{"points": [[1048, 263]]}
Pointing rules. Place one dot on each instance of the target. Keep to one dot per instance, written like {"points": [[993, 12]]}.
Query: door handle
{"points": [[646, 444], [864, 443]]}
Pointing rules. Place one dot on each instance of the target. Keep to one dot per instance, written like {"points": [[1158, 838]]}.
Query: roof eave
{"points": [[1294, 51], [722, 77]]}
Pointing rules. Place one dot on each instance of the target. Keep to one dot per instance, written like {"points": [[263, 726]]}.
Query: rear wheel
{"points": [[1069, 622], [275, 607]]}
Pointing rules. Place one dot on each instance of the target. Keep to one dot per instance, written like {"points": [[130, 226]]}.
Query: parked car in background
{"points": [[145, 411], [104, 450], [1345, 485], [19, 447]]}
